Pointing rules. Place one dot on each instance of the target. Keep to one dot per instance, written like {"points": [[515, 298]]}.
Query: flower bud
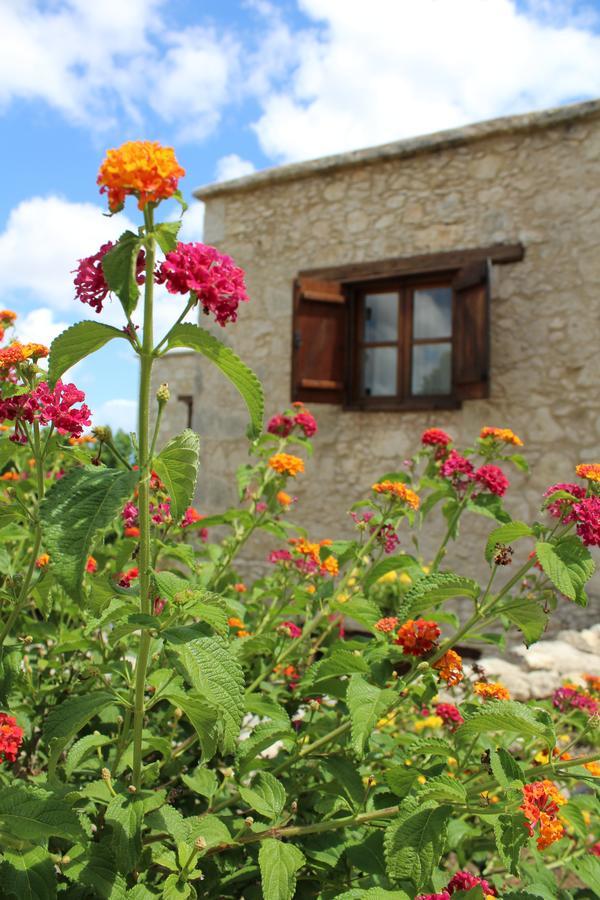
{"points": [[248, 821], [200, 844], [106, 776], [102, 433], [132, 789], [294, 807], [163, 394]]}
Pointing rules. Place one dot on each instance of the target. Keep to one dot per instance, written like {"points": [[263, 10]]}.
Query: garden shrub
{"points": [[172, 730]]}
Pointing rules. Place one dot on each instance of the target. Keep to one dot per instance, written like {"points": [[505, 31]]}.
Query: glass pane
{"points": [[431, 369], [432, 313], [381, 317], [379, 371]]}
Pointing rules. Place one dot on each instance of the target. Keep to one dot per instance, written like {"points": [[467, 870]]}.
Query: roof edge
{"points": [[407, 147]]}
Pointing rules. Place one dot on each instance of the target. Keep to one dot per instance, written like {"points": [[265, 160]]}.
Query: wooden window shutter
{"points": [[471, 328], [319, 341]]}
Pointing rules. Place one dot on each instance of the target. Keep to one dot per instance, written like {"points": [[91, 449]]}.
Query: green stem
{"points": [[451, 526], [191, 303], [146, 359], [37, 540]]}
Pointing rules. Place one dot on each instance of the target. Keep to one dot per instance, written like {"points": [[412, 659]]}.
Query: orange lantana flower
{"points": [[399, 490], [330, 566], [505, 435], [450, 668], [418, 636], [17, 353], [286, 464], [7, 316], [591, 471], [144, 169], [387, 624], [42, 561], [284, 499], [541, 802], [491, 690]]}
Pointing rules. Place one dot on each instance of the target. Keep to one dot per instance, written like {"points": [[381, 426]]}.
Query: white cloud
{"points": [[118, 413], [408, 68], [41, 243], [233, 166], [192, 224], [39, 325]]}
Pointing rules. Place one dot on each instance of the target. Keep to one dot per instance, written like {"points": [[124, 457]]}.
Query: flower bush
{"points": [[173, 728]]}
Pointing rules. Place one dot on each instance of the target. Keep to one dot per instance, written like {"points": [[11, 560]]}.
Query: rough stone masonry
{"points": [[532, 179]]}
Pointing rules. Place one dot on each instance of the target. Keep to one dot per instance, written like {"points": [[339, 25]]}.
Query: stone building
{"points": [[450, 280]]}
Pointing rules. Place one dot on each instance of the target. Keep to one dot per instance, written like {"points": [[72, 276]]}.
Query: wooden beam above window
{"points": [[452, 260]]}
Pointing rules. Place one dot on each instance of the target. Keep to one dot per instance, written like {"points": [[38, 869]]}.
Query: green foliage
{"points": [[232, 367], [367, 704], [415, 840], [568, 565], [33, 814], [528, 615], [432, 589], [28, 874], [124, 815], [177, 466], [75, 344], [509, 716], [75, 510], [279, 867], [266, 795], [511, 836], [506, 534], [119, 267]]}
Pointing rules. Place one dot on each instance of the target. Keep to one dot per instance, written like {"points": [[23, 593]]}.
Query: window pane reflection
{"points": [[432, 313], [379, 371], [431, 369], [381, 317]]}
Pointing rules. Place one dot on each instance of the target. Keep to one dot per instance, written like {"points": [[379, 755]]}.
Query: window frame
{"points": [[404, 285]]}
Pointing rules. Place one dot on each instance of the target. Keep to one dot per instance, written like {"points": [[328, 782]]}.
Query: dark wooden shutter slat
{"points": [[472, 331], [319, 342]]}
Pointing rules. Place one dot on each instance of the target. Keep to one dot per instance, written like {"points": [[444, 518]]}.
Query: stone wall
{"points": [[529, 179]]}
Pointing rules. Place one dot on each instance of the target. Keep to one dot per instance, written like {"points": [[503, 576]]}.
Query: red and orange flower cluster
{"points": [[450, 668], [462, 881], [541, 803], [502, 435], [398, 491], [11, 737], [416, 636], [143, 169], [491, 690], [17, 353], [286, 464]]}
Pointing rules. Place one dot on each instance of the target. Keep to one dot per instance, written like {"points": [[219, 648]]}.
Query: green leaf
{"points": [[177, 466], [367, 704], [509, 716], [438, 587], [67, 718], [81, 748], [174, 889], [505, 768], [511, 836], [490, 506], [229, 363], [568, 565], [203, 717], [415, 841], [94, 866], [125, 816], [587, 869], [75, 344], [76, 508], [341, 662], [389, 564], [528, 615], [119, 266], [266, 795], [208, 607], [34, 814], [28, 874], [361, 610], [166, 235], [401, 779], [264, 735], [506, 534], [443, 787], [202, 781], [429, 747], [279, 865], [216, 673], [375, 893]]}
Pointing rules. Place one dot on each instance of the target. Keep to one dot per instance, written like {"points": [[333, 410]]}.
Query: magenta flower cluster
{"points": [[461, 473], [569, 698], [462, 881], [48, 407], [563, 508], [90, 284], [283, 426]]}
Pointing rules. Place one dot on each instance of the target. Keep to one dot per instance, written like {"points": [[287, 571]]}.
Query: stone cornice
{"points": [[441, 140]]}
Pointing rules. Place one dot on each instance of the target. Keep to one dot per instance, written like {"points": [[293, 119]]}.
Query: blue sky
{"points": [[236, 86]]}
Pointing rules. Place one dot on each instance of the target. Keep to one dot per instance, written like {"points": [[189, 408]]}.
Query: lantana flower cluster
{"points": [[48, 406], [541, 803], [11, 737], [283, 424]]}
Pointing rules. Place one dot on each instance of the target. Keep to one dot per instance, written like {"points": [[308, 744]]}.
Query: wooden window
{"points": [[399, 334]]}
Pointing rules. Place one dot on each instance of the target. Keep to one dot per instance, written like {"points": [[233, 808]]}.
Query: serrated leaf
{"points": [[266, 795], [75, 509], [28, 874], [587, 869], [177, 466], [202, 781], [125, 816], [75, 344], [367, 704], [414, 842], [279, 866], [81, 748], [170, 820], [490, 506], [401, 780], [361, 610], [34, 814], [437, 588], [568, 565], [175, 889], [443, 787], [263, 736], [341, 662], [429, 747], [389, 564], [506, 534], [166, 235], [375, 893], [208, 607], [203, 717], [66, 719], [94, 866], [511, 836], [119, 266], [509, 716], [229, 363], [215, 672], [505, 768], [528, 615]]}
